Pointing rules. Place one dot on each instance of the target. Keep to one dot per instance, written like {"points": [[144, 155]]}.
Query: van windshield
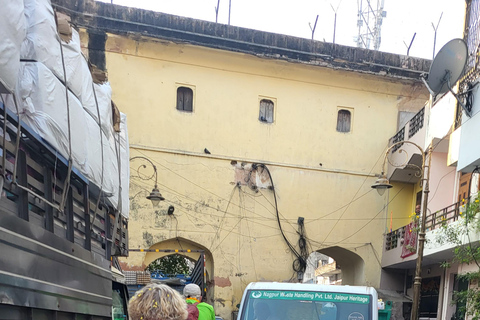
{"points": [[305, 305]]}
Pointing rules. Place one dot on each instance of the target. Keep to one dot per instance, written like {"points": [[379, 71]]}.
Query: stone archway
{"points": [[351, 264], [184, 244]]}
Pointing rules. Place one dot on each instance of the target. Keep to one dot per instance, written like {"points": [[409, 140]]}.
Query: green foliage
{"points": [[171, 265], [468, 301]]}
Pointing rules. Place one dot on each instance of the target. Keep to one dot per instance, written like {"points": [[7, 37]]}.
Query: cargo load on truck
{"points": [[64, 172]]}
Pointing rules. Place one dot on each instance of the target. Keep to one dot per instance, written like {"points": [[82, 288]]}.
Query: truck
{"points": [[293, 301], [64, 171]]}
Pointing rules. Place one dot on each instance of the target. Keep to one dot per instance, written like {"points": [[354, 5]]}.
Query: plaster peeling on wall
{"points": [[254, 178], [148, 239], [222, 282]]}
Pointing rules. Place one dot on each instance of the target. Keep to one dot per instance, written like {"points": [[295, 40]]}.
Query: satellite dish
{"points": [[447, 67]]}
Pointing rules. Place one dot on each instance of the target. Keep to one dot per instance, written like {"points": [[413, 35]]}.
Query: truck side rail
{"points": [[53, 261]]}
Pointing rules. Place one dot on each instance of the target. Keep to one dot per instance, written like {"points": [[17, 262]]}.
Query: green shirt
{"points": [[205, 311]]}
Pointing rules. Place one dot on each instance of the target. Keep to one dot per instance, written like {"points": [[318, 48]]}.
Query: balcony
{"points": [[407, 154], [434, 253]]}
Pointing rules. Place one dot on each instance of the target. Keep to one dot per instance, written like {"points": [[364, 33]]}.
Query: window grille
{"points": [[400, 136], [416, 123]]}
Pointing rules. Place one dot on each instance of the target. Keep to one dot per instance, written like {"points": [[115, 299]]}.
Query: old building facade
{"points": [[258, 139]]}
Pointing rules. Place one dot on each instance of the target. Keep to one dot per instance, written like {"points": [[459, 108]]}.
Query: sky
{"points": [[403, 19]]}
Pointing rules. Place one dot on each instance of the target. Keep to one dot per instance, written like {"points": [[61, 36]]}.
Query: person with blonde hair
{"points": [[157, 302]]}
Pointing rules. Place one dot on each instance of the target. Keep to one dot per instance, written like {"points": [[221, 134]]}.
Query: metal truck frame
{"points": [[54, 264]]}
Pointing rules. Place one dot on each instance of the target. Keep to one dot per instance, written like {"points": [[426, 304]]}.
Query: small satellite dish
{"points": [[447, 67]]}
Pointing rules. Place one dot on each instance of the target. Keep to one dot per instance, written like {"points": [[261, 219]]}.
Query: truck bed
{"points": [[54, 265]]}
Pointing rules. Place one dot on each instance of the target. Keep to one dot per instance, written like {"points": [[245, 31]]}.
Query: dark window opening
{"points": [[266, 111], [184, 99], [343, 120]]}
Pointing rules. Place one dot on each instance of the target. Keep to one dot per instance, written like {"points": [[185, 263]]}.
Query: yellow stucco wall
{"points": [[318, 173], [401, 199]]}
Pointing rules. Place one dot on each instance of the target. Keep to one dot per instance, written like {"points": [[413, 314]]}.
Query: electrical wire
{"points": [[372, 219], [223, 218], [196, 217], [438, 185], [299, 263], [195, 184], [351, 201]]}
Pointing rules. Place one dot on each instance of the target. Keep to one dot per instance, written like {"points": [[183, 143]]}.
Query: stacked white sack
{"points": [[95, 155], [79, 78], [43, 106], [12, 26], [42, 44], [124, 164], [42, 41], [103, 94]]}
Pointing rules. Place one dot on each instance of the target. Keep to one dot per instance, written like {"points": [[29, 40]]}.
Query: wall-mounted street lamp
{"points": [[382, 184], [155, 196]]}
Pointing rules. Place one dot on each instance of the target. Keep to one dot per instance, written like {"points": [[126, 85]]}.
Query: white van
{"points": [[299, 301]]}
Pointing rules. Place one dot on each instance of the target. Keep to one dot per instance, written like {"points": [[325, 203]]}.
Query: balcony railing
{"points": [[434, 221], [416, 123], [400, 136], [446, 215], [394, 239]]}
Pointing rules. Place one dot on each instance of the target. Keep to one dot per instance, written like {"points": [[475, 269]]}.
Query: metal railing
{"points": [[394, 238], [446, 215], [416, 123], [399, 136]]}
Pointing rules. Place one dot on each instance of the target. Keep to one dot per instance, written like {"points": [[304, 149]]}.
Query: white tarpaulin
{"points": [[79, 78], [42, 44], [124, 165], [42, 41], [42, 105], [95, 155], [103, 93], [12, 28]]}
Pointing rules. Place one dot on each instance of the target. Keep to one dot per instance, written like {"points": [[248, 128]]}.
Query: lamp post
{"points": [[382, 184], [155, 196]]}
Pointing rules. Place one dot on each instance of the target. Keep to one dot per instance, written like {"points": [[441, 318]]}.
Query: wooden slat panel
{"points": [[34, 165], [9, 206], [22, 180], [59, 230], [88, 238], [48, 193], [36, 202], [36, 219], [32, 182], [69, 215]]}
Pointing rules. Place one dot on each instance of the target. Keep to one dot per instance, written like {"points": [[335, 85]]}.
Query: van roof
{"points": [[310, 287]]}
